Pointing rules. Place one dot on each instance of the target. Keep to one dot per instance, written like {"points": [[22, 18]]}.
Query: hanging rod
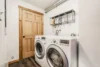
{"points": [[5, 6], [59, 2], [64, 14]]}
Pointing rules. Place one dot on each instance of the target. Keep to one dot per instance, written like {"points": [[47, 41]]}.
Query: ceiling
{"points": [[41, 3]]}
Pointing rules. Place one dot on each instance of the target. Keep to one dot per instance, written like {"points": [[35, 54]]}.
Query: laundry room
{"points": [[49, 33]]}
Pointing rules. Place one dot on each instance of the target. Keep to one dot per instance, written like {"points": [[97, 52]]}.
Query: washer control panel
{"points": [[43, 38]]}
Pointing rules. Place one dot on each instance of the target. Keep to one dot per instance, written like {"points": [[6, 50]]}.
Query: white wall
{"points": [[3, 47], [66, 29], [89, 29], [13, 26]]}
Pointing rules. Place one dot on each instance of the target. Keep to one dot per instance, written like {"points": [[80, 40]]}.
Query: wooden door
{"points": [[29, 27], [28, 33]]}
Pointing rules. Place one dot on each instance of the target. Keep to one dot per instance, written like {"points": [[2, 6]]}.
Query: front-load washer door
{"points": [[56, 57], [39, 49]]}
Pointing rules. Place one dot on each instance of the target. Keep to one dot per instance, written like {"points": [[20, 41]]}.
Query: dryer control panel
{"points": [[64, 41]]}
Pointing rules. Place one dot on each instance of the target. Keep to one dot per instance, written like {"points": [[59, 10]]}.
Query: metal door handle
{"points": [[23, 36]]}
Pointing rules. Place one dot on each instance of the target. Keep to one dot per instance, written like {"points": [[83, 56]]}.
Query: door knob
{"points": [[23, 36]]}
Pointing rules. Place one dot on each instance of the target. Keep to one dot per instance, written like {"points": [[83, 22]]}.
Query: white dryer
{"points": [[40, 50], [62, 52]]}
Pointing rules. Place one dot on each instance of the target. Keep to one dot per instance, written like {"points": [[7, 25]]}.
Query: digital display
{"points": [[64, 41]]}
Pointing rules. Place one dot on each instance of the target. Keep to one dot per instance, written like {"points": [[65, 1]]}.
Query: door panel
{"points": [[38, 18], [40, 29], [28, 19], [35, 28], [40, 24], [28, 47]]}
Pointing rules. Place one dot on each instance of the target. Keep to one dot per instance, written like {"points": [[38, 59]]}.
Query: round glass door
{"points": [[56, 57], [39, 50]]}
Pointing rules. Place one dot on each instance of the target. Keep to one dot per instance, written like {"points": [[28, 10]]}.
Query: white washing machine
{"points": [[40, 50], [62, 52]]}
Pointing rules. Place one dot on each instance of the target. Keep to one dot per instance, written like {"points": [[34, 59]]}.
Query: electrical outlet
{"points": [[0, 19], [0, 15], [12, 57]]}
